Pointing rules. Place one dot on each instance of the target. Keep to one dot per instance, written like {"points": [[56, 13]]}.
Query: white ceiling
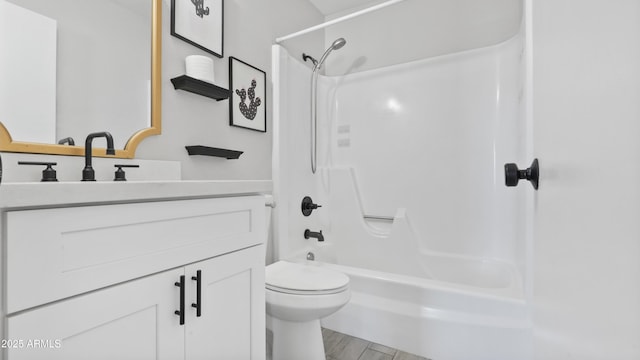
{"points": [[333, 7]]}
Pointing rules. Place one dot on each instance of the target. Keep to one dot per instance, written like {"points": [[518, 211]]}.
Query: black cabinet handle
{"points": [[180, 312], [198, 304]]}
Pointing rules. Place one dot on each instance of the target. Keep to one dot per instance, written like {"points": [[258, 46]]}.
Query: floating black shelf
{"points": [[211, 151], [200, 87]]}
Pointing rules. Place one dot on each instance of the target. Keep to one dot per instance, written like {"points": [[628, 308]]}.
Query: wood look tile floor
{"points": [[338, 346]]}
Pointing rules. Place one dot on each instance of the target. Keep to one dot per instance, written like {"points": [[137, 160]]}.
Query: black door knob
{"points": [[512, 175]]}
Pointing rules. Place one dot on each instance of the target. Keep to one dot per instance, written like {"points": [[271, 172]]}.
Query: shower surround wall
{"points": [[431, 137], [426, 141], [423, 143]]}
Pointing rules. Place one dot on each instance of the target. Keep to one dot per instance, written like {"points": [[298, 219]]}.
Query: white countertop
{"points": [[37, 194]]}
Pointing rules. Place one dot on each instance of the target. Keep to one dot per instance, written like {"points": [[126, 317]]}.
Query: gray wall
{"points": [[250, 27]]}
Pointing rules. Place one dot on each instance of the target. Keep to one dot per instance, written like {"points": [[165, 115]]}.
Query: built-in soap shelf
{"points": [[212, 151], [200, 87]]}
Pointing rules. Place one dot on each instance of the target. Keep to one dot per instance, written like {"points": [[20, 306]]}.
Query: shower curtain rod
{"points": [[338, 20]]}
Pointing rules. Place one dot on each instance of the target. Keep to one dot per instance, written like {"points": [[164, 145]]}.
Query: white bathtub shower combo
{"points": [[414, 126]]}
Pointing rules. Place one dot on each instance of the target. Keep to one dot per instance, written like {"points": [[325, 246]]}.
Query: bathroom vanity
{"points": [[141, 270]]}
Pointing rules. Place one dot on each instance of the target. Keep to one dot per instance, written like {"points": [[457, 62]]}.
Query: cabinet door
{"points": [[134, 320], [232, 321]]}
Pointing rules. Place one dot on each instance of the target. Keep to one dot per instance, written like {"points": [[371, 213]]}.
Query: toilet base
{"points": [[296, 340]]}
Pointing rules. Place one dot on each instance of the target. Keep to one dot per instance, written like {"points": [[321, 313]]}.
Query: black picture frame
{"points": [[199, 23], [248, 100]]}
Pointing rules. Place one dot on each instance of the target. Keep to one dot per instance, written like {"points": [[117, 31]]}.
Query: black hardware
{"points": [[198, 304], [211, 151], [88, 174], [181, 311], [318, 235], [512, 174], [48, 174], [308, 206], [0, 169], [68, 140], [120, 175], [306, 57]]}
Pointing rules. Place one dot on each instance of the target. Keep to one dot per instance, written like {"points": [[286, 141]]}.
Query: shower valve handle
{"points": [[308, 206], [512, 174]]}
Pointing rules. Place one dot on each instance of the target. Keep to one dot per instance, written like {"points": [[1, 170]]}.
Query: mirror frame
{"points": [[7, 144]]}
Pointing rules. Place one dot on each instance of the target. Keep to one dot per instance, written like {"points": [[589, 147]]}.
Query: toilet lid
{"points": [[300, 277]]}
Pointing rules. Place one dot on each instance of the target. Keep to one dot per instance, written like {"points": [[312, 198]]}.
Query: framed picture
{"points": [[200, 23], [248, 101]]}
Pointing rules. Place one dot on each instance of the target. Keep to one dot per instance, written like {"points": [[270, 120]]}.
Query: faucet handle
{"points": [[308, 206], [68, 140], [120, 175], [48, 174]]}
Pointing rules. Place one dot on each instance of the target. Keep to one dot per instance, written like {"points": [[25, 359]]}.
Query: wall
{"points": [[430, 137], [586, 116], [250, 26]]}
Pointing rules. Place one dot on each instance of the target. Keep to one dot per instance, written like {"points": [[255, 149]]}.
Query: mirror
{"points": [[72, 67]]}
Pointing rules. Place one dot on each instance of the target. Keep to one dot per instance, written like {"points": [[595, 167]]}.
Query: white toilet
{"points": [[298, 295]]}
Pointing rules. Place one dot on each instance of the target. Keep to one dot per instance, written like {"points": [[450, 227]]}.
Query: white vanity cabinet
{"points": [[104, 282], [233, 305], [134, 320]]}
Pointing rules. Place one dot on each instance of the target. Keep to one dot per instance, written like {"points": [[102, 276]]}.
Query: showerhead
{"points": [[339, 43]]}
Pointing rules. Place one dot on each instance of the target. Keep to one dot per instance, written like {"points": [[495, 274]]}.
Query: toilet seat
{"points": [[299, 279], [305, 292]]}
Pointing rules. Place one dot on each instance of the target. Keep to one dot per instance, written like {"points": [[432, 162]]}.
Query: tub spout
{"points": [[318, 235]]}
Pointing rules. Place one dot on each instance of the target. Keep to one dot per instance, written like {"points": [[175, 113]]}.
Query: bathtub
{"points": [[430, 318], [440, 305]]}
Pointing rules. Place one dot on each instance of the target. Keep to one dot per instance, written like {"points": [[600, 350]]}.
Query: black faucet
{"points": [[318, 235], [88, 174], [67, 140]]}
